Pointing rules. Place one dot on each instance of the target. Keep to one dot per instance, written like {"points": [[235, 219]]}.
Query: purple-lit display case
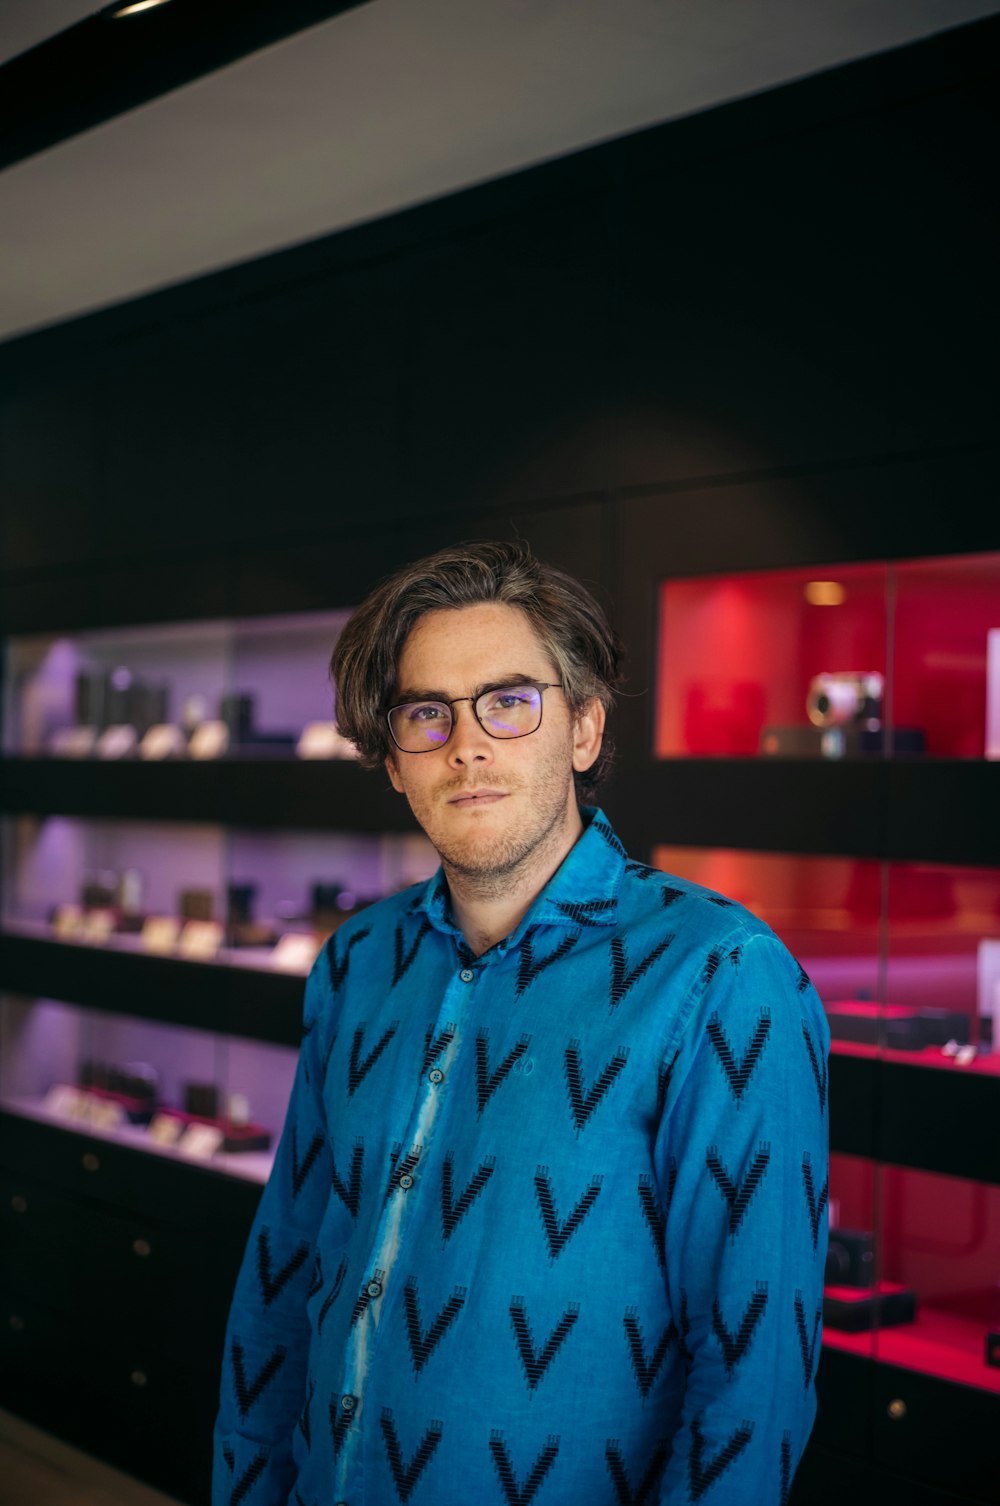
{"points": [[154, 957]]}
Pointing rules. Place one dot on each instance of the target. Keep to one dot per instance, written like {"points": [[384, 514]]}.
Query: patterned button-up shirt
{"points": [[546, 1225]]}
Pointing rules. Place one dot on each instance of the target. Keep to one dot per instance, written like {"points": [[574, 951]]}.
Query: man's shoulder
{"points": [[380, 918], [683, 906]]}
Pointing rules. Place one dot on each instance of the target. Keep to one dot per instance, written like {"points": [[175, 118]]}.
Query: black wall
{"points": [[758, 335]]}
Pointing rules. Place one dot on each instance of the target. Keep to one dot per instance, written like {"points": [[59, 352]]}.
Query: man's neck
{"points": [[488, 907]]}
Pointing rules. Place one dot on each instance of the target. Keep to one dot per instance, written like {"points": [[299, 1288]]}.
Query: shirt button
{"points": [[436, 1075], [374, 1288], [406, 1181], [467, 975], [348, 1403]]}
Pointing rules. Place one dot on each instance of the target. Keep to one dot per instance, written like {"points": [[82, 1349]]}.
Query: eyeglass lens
{"points": [[508, 711]]}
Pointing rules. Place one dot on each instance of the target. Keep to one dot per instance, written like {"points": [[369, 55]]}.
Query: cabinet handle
{"points": [[897, 1409], [90, 1161], [19, 1203], [138, 1378], [141, 1247]]}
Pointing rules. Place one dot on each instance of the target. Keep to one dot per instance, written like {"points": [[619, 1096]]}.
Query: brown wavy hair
{"points": [[569, 622]]}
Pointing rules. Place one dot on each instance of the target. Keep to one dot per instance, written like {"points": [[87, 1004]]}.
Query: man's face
{"points": [[491, 806]]}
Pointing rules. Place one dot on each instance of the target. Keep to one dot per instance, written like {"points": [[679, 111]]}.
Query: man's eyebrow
{"points": [[516, 677]]}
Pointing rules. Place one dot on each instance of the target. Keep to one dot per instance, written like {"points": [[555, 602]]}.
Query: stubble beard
{"points": [[489, 867]]}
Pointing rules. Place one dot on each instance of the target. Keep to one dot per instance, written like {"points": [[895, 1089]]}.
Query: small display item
{"points": [[99, 893], [850, 1258], [165, 1129], [73, 742], [237, 713], [67, 921], [119, 741], [853, 1309], [200, 1141], [196, 904], [846, 697], [897, 1027], [209, 740], [839, 742], [993, 693], [163, 740], [324, 740], [159, 934], [993, 1348], [98, 926], [295, 952], [201, 940], [201, 1099]]}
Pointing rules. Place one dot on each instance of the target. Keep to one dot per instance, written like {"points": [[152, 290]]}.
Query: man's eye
{"points": [[508, 700], [426, 712]]}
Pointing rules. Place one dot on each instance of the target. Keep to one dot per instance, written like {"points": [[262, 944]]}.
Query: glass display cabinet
{"points": [[823, 737]]}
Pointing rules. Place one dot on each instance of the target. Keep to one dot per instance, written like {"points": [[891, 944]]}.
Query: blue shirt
{"points": [[545, 1225]]}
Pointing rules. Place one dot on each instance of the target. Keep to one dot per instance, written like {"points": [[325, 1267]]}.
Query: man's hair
{"points": [[569, 623]]}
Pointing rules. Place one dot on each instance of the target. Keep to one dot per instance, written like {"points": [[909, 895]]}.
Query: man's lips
{"points": [[470, 798]]}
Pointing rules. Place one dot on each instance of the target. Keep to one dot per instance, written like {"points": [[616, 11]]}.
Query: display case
{"points": [[825, 741], [184, 828]]}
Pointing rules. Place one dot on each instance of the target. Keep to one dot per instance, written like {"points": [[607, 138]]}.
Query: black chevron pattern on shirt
{"points": [[435, 1045], [669, 895], [786, 1467], [364, 1298], [271, 1283], [305, 1421], [621, 979], [734, 1346], [453, 1212], [248, 1479], [664, 1073], [702, 1475], [332, 1294], [405, 1476], [248, 1393], [819, 1068], [646, 1367], [816, 1205], [488, 1081], [338, 970], [585, 912], [340, 1424], [350, 1192], [515, 1494], [357, 1069], [327, 1055], [529, 967], [316, 1284], [423, 1343], [403, 960], [642, 871], [738, 1074], [807, 1345], [536, 1362], [624, 1494], [804, 980], [739, 1195], [557, 1233], [604, 830], [582, 1104], [656, 1220], [400, 1168], [301, 1169], [717, 899]]}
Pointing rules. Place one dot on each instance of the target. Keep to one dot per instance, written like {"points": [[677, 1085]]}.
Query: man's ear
{"points": [[588, 735], [393, 773]]}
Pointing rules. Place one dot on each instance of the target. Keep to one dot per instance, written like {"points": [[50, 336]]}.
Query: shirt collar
{"points": [[583, 891]]}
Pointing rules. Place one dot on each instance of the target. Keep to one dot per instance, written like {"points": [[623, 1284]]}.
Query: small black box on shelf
{"points": [[850, 1258], [853, 1309]]}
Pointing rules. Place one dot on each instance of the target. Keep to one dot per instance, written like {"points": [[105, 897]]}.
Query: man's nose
{"points": [[468, 742]]}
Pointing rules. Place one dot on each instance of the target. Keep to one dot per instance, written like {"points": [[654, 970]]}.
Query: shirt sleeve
{"points": [[741, 1165], [267, 1339]]}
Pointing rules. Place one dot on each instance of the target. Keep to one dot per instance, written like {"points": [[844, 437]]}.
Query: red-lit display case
{"points": [[824, 742]]}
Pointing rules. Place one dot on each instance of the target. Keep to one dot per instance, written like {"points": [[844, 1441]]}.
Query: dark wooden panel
{"points": [[947, 1437], [854, 1104], [250, 1002], [946, 811], [939, 1120]]}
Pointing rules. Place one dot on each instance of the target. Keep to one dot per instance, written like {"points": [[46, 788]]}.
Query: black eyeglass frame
{"points": [[539, 685]]}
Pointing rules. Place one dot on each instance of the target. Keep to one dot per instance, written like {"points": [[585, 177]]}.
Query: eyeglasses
{"points": [[502, 711]]}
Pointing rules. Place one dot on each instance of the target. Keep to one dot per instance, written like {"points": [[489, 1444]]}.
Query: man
{"points": [[547, 1218]]}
